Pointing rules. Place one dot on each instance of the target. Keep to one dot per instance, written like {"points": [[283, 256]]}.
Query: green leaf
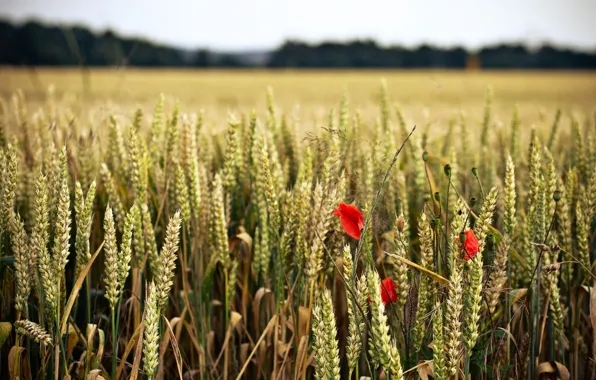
{"points": [[7, 260]]}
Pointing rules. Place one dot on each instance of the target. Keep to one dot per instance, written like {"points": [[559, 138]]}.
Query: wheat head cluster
{"points": [[152, 245]]}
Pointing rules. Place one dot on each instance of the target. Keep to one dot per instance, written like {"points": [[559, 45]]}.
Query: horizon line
{"points": [[530, 45]]}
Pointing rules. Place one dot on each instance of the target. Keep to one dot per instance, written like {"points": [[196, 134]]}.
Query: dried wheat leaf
{"points": [[553, 368], [5, 330]]}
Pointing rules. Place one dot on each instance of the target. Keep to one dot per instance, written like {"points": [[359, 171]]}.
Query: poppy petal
{"points": [[388, 293], [351, 219], [350, 227], [353, 213]]}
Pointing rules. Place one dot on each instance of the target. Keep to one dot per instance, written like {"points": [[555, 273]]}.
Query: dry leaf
{"points": [[244, 347], [438, 278], [175, 347], [95, 375], [18, 365], [244, 242], [256, 304], [129, 346], [235, 318], [303, 319], [300, 356], [75, 290], [425, 369], [134, 373], [554, 368], [5, 330], [73, 339]]}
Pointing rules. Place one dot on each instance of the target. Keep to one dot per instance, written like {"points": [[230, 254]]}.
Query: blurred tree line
{"points": [[33, 43]]}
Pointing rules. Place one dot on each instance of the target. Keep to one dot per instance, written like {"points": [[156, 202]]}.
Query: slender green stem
{"points": [[507, 307], [447, 226], [88, 291], [480, 184], [114, 343], [28, 340], [535, 337]]}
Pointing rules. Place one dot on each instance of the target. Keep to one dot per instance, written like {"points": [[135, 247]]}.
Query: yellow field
{"points": [[440, 92], [230, 246]]}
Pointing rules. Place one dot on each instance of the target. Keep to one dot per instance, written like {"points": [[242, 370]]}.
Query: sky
{"points": [[264, 24]]}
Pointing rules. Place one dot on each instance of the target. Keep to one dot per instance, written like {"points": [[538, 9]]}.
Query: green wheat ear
{"points": [[111, 259], [167, 261], [151, 334], [325, 343], [382, 349]]}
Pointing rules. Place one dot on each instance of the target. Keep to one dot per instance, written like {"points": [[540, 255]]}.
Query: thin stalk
{"points": [[28, 340], [535, 312], [447, 226], [88, 290], [41, 322], [226, 312], [508, 308], [368, 220], [114, 345], [479, 184]]}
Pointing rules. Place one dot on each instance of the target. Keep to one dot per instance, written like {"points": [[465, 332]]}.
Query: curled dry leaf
{"points": [[425, 369], [73, 339], [553, 368], [95, 375], [256, 303], [235, 318], [244, 348], [18, 365], [102, 341], [244, 242], [303, 319], [5, 330]]}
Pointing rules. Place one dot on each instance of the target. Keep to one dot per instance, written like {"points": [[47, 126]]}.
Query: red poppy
{"points": [[351, 219], [471, 245], [388, 293]]}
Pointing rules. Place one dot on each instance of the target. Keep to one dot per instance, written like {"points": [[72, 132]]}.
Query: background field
{"points": [[253, 203], [441, 93]]}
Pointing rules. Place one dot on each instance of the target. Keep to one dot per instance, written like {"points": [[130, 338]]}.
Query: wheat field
{"points": [[297, 224]]}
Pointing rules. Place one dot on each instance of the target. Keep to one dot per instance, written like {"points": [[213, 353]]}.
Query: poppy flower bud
{"points": [[425, 156], [462, 237], [470, 243], [426, 197], [401, 223], [557, 196], [472, 201], [437, 197], [475, 172], [447, 170]]}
